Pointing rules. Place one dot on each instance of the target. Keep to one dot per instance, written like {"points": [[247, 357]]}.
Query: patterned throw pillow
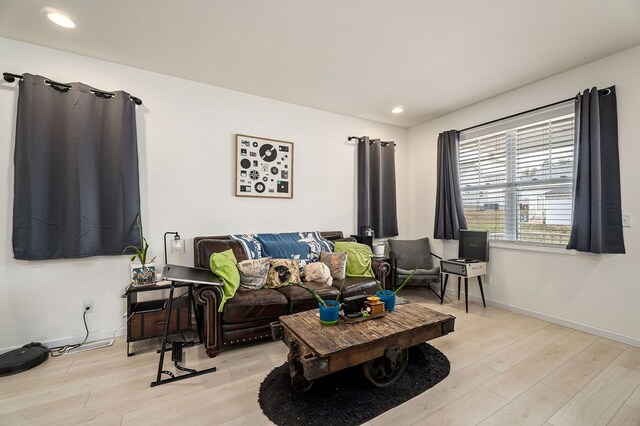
{"points": [[253, 273], [283, 272], [337, 263]]}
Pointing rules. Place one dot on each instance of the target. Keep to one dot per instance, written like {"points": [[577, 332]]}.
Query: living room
{"points": [[186, 133]]}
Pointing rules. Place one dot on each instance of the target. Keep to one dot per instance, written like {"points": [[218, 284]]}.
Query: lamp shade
{"points": [[178, 245]]}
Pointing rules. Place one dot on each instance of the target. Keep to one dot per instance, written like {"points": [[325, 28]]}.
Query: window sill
{"points": [[512, 245]]}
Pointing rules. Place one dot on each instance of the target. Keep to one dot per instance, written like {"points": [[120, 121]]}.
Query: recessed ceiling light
{"points": [[60, 19], [397, 110]]}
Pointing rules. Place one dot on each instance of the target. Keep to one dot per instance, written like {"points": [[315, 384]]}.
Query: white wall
{"points": [[186, 139], [599, 293]]}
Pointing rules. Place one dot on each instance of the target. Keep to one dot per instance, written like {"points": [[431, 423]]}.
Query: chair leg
{"points": [[481, 290], [458, 288]]}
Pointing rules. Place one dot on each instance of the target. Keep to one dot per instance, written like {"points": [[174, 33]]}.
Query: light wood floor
{"points": [[506, 369]]}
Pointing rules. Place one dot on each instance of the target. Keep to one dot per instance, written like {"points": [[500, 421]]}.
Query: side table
{"points": [[463, 269], [145, 319]]}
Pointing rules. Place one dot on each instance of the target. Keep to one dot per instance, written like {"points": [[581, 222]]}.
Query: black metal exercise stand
{"points": [[176, 347]]}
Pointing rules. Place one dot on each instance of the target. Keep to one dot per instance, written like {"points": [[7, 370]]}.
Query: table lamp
{"points": [[177, 244]]}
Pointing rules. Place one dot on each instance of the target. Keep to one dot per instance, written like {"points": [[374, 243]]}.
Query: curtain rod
{"points": [[383, 143], [575, 98], [11, 77], [515, 115]]}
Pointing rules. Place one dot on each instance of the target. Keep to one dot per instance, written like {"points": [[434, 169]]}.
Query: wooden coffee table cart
{"points": [[379, 345]]}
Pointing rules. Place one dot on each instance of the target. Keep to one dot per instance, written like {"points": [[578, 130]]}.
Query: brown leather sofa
{"points": [[249, 314]]}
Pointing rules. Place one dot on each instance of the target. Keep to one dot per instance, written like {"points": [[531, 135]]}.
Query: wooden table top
{"points": [[326, 340]]}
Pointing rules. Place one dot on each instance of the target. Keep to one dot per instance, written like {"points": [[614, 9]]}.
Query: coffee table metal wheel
{"points": [[299, 383], [387, 369]]}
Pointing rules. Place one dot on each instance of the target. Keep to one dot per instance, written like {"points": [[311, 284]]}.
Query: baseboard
{"points": [[99, 335], [608, 334]]}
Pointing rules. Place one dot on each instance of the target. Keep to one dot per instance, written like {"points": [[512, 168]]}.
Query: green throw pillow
{"points": [[223, 264], [358, 258]]}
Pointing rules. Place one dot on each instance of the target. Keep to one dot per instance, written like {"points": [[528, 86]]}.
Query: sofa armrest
{"points": [[382, 271], [208, 299]]}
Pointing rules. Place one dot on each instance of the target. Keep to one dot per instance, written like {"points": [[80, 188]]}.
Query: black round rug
{"points": [[346, 397]]}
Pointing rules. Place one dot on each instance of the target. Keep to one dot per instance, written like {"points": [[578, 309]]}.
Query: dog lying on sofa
{"points": [[248, 315]]}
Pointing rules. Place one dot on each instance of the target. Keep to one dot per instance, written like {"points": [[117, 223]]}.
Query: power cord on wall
{"points": [[61, 350]]}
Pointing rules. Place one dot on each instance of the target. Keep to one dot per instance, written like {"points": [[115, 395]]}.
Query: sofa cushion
{"points": [[253, 305], [253, 273], [301, 300], [419, 272], [283, 272], [284, 246], [318, 272], [305, 246], [356, 286], [337, 263]]}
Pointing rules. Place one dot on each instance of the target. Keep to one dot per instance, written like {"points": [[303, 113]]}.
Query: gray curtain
{"points": [[597, 212], [377, 187], [76, 190], [449, 213]]}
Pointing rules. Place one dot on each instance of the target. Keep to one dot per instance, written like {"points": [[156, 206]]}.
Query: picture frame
{"points": [[264, 167]]}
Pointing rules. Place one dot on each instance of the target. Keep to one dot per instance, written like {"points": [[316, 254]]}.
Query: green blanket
{"points": [[358, 258], [223, 264]]}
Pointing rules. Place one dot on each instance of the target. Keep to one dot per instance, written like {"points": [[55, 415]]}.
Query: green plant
{"points": [[140, 252], [406, 280], [317, 296], [377, 282]]}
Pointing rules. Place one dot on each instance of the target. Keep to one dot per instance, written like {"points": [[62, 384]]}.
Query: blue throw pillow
{"points": [[284, 246]]}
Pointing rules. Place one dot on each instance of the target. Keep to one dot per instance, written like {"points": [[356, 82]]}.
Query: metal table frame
{"points": [[177, 346]]}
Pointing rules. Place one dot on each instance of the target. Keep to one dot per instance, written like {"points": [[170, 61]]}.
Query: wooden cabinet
{"points": [[145, 319]]}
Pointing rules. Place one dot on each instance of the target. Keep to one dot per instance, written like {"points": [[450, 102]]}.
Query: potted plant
{"points": [[389, 296], [329, 309], [142, 272]]}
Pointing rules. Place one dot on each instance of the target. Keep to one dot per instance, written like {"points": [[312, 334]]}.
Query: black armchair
{"points": [[406, 255]]}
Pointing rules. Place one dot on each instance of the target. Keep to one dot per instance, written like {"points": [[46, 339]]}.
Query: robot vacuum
{"points": [[22, 359]]}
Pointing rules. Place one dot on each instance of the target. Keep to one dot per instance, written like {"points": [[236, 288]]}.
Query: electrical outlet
{"points": [[88, 305], [626, 220], [487, 279]]}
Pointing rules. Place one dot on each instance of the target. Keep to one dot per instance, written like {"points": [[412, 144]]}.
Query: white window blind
{"points": [[516, 176]]}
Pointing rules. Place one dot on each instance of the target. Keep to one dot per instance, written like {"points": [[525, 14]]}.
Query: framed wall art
{"points": [[264, 167]]}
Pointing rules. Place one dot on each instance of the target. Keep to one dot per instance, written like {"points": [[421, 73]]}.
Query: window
{"points": [[516, 176]]}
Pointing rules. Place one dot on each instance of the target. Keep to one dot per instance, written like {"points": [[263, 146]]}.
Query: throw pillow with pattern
{"points": [[253, 273], [337, 263], [283, 272]]}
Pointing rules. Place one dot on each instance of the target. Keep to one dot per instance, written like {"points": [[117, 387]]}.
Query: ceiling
{"points": [[353, 57]]}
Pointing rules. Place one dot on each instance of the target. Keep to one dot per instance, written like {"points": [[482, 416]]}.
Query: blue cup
{"points": [[389, 299], [329, 314]]}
